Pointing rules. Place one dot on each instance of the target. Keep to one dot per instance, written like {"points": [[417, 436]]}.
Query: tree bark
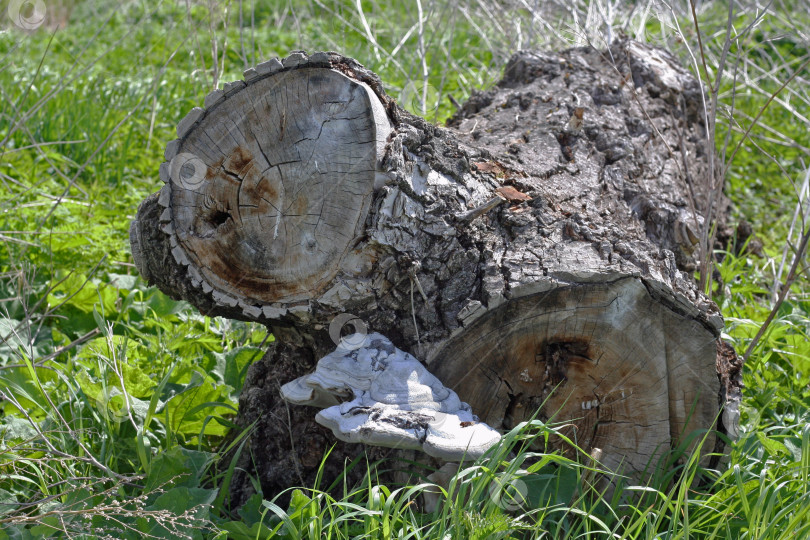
{"points": [[535, 255]]}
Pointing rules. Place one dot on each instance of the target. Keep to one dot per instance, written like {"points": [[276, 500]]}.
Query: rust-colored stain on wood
{"points": [[212, 170], [239, 159]]}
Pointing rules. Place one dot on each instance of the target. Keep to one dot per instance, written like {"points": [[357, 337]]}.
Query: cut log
{"points": [[535, 255]]}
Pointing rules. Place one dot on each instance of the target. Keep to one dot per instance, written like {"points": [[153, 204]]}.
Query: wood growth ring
{"points": [[288, 166]]}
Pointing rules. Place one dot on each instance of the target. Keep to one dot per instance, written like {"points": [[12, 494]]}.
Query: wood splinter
{"points": [[481, 209]]}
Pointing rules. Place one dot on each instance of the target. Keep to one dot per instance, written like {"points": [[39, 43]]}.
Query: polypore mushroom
{"points": [[395, 403]]}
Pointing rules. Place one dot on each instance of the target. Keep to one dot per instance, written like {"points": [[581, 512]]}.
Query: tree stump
{"points": [[535, 254]]}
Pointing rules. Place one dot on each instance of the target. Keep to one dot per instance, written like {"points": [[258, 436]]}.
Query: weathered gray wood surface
{"points": [[544, 241]]}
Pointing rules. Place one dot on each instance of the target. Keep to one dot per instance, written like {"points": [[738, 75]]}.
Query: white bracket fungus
{"points": [[377, 394]]}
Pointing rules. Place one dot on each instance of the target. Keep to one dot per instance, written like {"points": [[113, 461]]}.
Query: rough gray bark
{"points": [[543, 241]]}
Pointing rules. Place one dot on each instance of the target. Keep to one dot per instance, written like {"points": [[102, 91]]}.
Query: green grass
{"points": [[117, 406]]}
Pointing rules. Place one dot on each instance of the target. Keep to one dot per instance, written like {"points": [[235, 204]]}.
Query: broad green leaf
{"points": [[8, 502], [237, 362], [187, 411], [773, 447], [177, 466], [15, 428], [18, 340], [81, 293], [122, 281], [251, 511], [163, 306]]}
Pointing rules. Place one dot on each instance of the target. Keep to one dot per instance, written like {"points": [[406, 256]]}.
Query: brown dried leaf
{"points": [[490, 167], [512, 195]]}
